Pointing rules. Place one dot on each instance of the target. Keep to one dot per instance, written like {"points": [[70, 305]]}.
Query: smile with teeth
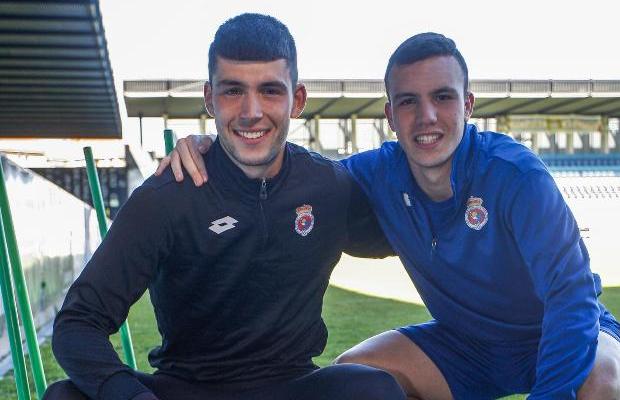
{"points": [[427, 139], [251, 134]]}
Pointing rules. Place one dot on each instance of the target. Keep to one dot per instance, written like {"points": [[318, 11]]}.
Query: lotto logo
{"points": [[223, 224]]}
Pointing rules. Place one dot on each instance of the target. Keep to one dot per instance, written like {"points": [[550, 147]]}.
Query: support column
{"points": [[315, 134], [535, 144], [570, 142], [203, 124], [353, 134], [586, 146], [140, 120], [379, 125], [343, 125], [503, 125], [605, 135], [553, 143], [165, 117]]}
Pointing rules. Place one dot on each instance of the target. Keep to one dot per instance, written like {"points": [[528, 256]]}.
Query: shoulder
{"points": [[507, 153], [388, 152], [314, 162], [164, 188]]}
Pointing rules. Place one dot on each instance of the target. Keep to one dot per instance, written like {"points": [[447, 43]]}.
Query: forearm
{"points": [[568, 343], [90, 361]]}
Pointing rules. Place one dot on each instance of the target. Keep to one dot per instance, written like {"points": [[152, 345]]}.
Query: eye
{"points": [[407, 101], [444, 97], [233, 91], [272, 91]]}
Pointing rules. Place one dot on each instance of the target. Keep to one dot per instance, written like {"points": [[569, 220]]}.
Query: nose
{"points": [[251, 108], [427, 113]]}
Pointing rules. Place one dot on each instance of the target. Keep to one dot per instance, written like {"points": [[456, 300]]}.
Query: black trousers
{"points": [[338, 382]]}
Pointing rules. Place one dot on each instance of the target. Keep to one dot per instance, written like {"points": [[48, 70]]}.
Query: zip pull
{"points": [[263, 189], [433, 243]]}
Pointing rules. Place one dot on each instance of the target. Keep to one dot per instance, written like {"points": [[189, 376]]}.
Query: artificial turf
{"points": [[350, 317]]}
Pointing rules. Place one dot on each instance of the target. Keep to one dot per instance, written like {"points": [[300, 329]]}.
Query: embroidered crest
{"points": [[476, 216], [305, 220]]}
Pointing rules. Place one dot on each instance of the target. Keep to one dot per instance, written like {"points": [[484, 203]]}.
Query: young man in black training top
{"points": [[236, 269]]}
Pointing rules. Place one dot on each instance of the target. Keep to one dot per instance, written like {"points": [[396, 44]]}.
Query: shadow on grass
{"points": [[350, 317]]}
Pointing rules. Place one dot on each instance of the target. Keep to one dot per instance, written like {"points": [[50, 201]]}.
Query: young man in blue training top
{"points": [[487, 239], [237, 269]]}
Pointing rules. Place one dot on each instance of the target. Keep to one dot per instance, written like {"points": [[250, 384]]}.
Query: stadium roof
{"points": [[366, 98], [55, 74]]}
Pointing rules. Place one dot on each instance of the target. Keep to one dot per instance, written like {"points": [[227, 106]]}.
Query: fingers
{"points": [[189, 157], [163, 164], [173, 161], [205, 142], [188, 154], [175, 164], [201, 170]]}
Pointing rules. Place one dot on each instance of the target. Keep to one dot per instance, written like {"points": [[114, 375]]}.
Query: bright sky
{"points": [[528, 39], [533, 39]]}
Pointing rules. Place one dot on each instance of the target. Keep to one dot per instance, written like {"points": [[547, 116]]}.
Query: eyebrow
{"points": [[232, 82], [399, 96], [443, 89], [229, 82]]}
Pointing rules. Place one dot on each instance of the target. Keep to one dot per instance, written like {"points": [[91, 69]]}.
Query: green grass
{"points": [[350, 317]]}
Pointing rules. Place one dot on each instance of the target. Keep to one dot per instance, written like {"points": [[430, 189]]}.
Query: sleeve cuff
{"points": [[123, 386]]}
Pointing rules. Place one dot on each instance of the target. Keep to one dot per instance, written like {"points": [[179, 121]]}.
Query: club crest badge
{"points": [[305, 220], [476, 216]]}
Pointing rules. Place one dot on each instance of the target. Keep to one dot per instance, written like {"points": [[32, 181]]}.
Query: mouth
{"points": [[251, 135], [428, 139]]}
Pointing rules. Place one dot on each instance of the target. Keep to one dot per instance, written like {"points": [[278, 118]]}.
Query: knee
{"points": [[353, 357], [603, 382], [63, 390], [381, 385], [368, 383]]}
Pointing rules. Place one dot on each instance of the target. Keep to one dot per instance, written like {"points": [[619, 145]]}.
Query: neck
{"points": [[262, 171], [435, 181]]}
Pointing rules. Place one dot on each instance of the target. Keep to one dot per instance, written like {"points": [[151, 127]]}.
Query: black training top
{"points": [[236, 271]]}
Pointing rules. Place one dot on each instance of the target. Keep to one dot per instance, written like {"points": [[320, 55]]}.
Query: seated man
{"points": [[237, 269], [489, 242]]}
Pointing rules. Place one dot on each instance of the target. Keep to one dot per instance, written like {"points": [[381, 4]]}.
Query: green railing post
{"points": [[169, 140], [21, 289], [95, 190], [10, 313]]}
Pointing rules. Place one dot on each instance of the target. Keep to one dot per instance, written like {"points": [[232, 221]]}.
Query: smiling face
{"points": [[428, 110], [253, 102]]}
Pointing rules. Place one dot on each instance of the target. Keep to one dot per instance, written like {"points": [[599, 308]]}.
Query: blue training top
{"points": [[502, 260]]}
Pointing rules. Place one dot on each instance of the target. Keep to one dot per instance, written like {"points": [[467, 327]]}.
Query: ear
{"points": [[469, 105], [388, 114], [299, 100], [208, 92]]}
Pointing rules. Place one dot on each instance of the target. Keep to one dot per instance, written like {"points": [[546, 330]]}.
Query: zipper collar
{"points": [[460, 176], [228, 175]]}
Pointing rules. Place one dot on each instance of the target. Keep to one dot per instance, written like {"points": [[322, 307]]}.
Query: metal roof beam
{"points": [[561, 104], [592, 106], [323, 107], [522, 105], [367, 104]]}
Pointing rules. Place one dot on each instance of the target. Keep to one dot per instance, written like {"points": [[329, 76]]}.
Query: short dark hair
{"points": [[423, 46], [253, 37]]}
